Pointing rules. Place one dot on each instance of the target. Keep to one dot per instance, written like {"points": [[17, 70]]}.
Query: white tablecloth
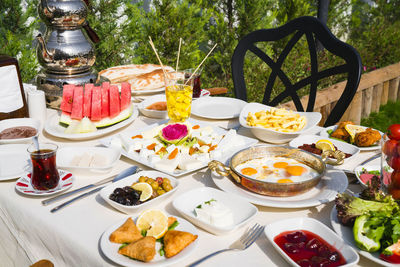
{"points": [[70, 237]]}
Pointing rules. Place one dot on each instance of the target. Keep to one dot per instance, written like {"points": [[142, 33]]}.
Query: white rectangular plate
{"points": [[247, 143]]}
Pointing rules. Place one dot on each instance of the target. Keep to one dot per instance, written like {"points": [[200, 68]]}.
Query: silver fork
{"points": [[244, 242]]}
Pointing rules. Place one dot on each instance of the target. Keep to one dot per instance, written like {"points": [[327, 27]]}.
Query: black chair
{"points": [[313, 30]]}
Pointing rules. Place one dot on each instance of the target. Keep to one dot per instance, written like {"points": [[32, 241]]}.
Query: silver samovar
{"points": [[66, 51]]}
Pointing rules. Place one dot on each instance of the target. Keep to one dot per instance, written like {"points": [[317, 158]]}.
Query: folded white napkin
{"points": [[10, 92]]}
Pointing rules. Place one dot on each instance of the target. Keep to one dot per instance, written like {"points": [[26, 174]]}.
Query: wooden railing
{"points": [[375, 89]]}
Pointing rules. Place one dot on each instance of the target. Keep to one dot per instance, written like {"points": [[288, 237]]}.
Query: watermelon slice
{"points": [[87, 100], [105, 98], [114, 101], [68, 94], [77, 104], [125, 95], [96, 104]]}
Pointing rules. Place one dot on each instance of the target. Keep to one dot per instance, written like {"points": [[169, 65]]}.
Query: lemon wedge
{"points": [[353, 130], [324, 145], [155, 222], [145, 189]]}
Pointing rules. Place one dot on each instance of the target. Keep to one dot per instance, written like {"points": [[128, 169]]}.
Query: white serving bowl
{"points": [[316, 227], [66, 154], [342, 146], [242, 210], [358, 170], [4, 124], [158, 114], [272, 136], [128, 181]]}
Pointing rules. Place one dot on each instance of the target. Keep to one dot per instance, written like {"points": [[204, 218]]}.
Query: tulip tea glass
{"points": [[178, 91], [44, 170]]}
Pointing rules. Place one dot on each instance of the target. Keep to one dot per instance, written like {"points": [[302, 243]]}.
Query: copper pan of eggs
{"points": [[275, 171]]}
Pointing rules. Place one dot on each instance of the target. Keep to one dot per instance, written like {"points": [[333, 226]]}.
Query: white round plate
{"points": [[54, 128], [333, 182], [4, 124], [217, 107], [24, 185], [145, 92], [324, 133], [111, 249], [346, 233], [14, 161]]}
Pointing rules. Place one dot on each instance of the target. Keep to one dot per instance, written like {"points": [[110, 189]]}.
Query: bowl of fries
{"points": [[276, 125]]}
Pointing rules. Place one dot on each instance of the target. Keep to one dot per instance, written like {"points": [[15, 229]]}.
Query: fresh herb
{"points": [[209, 202], [161, 251], [198, 207], [173, 226], [330, 131], [144, 232], [123, 245], [374, 172]]}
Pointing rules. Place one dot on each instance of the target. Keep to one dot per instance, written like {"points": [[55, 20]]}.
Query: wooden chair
{"points": [[313, 30]]}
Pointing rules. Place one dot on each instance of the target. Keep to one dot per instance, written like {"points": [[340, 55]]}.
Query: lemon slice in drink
{"points": [[145, 189], [353, 130], [155, 222], [324, 145]]}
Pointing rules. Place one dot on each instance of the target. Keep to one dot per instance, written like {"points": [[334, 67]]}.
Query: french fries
{"points": [[280, 120]]}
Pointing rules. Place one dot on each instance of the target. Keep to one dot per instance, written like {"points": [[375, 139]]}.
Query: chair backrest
{"points": [[313, 29]]}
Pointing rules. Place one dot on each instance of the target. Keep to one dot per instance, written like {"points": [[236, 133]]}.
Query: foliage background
{"points": [[124, 26]]}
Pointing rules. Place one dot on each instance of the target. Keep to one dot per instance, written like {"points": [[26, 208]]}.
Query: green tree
{"points": [[19, 24]]}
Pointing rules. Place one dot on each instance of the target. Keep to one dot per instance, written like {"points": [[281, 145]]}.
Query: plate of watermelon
{"points": [[91, 111]]}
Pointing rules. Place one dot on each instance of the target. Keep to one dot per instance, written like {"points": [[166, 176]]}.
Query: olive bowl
{"points": [[271, 188]]}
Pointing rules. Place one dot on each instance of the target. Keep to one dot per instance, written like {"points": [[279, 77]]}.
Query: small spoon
{"points": [[36, 142]]}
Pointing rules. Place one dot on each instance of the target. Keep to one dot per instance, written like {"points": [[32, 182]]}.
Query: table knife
{"points": [[371, 158], [123, 174]]}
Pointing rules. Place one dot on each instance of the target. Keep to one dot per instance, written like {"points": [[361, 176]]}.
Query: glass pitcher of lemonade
{"points": [[178, 91]]}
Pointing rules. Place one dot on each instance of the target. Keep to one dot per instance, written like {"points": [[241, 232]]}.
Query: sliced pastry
{"points": [[175, 241], [126, 233], [143, 249]]}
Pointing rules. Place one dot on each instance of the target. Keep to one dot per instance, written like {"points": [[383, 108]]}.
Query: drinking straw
{"points": [[201, 64], [179, 51], [159, 60]]}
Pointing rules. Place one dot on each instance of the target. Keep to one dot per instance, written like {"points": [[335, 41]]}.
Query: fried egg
{"points": [[277, 170]]}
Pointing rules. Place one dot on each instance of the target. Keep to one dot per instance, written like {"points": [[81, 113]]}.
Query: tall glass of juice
{"points": [[44, 169], [178, 91]]}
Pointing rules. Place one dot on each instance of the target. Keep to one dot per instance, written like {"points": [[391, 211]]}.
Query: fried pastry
{"points": [[126, 233], [367, 138], [143, 249], [175, 241], [171, 220]]}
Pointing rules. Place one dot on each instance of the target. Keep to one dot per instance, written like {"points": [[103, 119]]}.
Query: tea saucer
{"points": [[24, 185]]}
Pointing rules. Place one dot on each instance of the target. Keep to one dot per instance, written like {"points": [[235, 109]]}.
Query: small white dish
{"points": [[242, 211], [217, 107], [66, 156], [128, 181], [346, 233], [325, 133], [110, 249], [53, 127], [272, 136], [316, 227], [14, 161], [24, 186], [342, 146], [359, 169], [158, 114], [4, 124]]}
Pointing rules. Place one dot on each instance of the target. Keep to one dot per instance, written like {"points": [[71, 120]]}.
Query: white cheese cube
{"points": [[154, 158], [208, 130], [171, 148], [204, 149], [196, 134], [188, 162], [205, 139], [167, 165], [205, 157], [153, 132], [196, 146], [145, 153], [184, 150]]}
